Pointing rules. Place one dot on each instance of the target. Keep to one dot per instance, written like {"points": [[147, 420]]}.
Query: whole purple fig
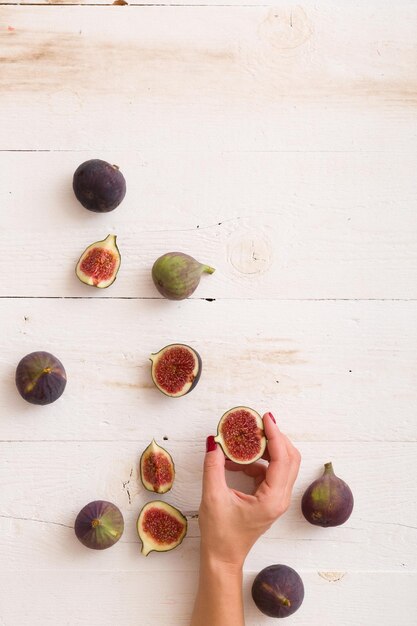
{"points": [[328, 501], [40, 378], [176, 275], [278, 591], [99, 525]]}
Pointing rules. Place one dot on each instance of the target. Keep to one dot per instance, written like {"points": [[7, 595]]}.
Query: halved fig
{"points": [[157, 470], [99, 263], [99, 525], [161, 527], [176, 369], [241, 435]]}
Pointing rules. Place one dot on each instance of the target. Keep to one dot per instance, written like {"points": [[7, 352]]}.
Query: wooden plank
{"points": [[297, 225], [45, 484], [112, 598], [331, 370], [222, 78]]}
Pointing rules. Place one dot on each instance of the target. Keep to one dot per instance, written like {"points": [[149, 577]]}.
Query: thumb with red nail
{"points": [[231, 522]]}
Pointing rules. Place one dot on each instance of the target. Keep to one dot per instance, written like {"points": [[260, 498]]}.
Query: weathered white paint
{"points": [[60, 477], [277, 143], [331, 370], [211, 78], [288, 230]]}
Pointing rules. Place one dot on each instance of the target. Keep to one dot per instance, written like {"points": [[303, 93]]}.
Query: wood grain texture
{"points": [[112, 598], [331, 370], [278, 143], [46, 484], [298, 225], [252, 78]]}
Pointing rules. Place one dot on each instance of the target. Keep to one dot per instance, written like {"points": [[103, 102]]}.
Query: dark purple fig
{"points": [[241, 435], [278, 591], [161, 527], [176, 275], [99, 186], [176, 369], [328, 501], [157, 470], [99, 263], [99, 525], [40, 378]]}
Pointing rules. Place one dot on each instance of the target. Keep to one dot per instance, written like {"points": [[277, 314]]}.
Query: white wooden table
{"points": [[277, 143]]}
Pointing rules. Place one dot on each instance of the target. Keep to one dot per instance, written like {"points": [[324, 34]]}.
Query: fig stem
{"points": [[208, 269], [283, 600], [328, 468], [95, 523]]}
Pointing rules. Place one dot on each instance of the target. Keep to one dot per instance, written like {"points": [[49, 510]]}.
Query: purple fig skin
{"points": [[328, 501], [177, 275], [278, 591], [99, 186], [99, 525], [40, 378]]}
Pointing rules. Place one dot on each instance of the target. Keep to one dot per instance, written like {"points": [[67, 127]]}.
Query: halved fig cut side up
{"points": [[99, 263], [241, 435], [176, 369], [161, 527], [157, 469]]}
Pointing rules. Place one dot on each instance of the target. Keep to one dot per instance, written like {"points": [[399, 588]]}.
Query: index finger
{"points": [[279, 460]]}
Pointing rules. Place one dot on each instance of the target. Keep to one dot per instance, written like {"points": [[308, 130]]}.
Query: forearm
{"points": [[219, 600]]}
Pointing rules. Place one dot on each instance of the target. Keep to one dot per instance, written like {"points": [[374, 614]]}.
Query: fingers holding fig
{"points": [[240, 433]]}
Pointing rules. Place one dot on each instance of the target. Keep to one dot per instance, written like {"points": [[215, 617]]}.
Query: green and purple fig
{"points": [[161, 527], [99, 525], [40, 378], [241, 435], [177, 275], [278, 591], [157, 470], [328, 501], [176, 369], [99, 263], [99, 186]]}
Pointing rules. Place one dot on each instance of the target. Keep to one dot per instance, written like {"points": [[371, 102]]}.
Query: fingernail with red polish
{"points": [[272, 417], [210, 444]]}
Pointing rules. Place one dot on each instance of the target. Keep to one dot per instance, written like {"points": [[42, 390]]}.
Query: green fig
{"points": [[328, 501], [176, 275]]}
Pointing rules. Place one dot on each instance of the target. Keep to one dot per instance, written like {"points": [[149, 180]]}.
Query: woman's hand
{"points": [[231, 521]]}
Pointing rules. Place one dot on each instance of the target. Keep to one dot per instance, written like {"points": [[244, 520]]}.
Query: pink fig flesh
{"points": [[241, 435]]}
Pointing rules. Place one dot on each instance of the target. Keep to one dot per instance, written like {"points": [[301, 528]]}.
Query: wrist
{"points": [[212, 560]]}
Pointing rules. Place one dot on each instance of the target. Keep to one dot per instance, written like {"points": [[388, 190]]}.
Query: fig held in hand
{"points": [[176, 369], [157, 470], [161, 527], [278, 591], [99, 525], [176, 275], [40, 378], [328, 501], [241, 435], [99, 186]]}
